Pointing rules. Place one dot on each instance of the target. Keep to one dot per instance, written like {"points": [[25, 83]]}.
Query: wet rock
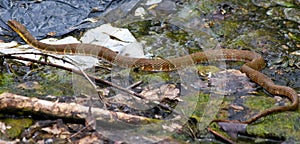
{"points": [[231, 82], [167, 6], [233, 128]]}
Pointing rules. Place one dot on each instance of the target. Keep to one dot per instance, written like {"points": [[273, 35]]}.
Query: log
{"points": [[9, 101]]}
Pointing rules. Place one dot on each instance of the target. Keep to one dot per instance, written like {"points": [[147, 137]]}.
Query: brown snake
{"points": [[254, 63]]}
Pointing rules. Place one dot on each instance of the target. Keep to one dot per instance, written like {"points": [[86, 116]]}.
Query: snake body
{"points": [[254, 62]]}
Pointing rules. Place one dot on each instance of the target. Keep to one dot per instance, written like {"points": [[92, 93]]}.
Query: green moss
{"points": [[259, 102], [39, 82], [6, 81], [201, 104], [207, 109], [17, 126], [208, 6], [275, 125], [227, 28], [56, 82], [178, 36], [140, 28], [151, 77], [279, 125]]}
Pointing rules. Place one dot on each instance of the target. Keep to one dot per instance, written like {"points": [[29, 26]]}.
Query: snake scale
{"points": [[254, 62]]}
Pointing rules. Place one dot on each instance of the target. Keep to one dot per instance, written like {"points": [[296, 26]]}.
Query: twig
{"points": [[134, 85], [94, 85], [41, 54], [220, 136]]}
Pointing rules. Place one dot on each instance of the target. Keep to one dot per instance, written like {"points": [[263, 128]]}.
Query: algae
{"points": [[17, 126]]}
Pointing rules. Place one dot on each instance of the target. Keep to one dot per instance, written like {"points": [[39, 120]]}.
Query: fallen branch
{"points": [[11, 101]]}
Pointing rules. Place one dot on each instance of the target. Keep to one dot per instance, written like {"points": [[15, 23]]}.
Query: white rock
{"points": [[8, 45], [151, 2], [140, 12], [121, 38]]}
